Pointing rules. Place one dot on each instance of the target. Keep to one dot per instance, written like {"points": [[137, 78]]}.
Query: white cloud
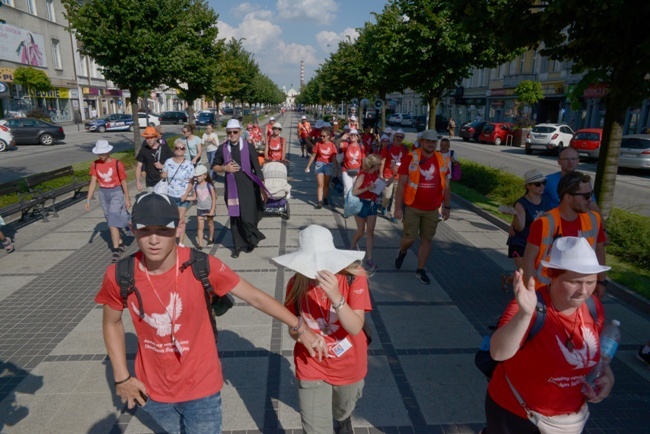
{"points": [[244, 9], [256, 29], [322, 11], [329, 41]]}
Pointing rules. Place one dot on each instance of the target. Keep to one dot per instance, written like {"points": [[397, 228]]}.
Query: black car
{"points": [[472, 130], [206, 118], [172, 117], [28, 131]]}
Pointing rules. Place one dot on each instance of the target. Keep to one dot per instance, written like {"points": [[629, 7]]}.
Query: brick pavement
{"points": [[56, 377]]}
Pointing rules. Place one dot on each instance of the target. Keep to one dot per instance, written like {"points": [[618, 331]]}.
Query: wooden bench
{"points": [[24, 204], [42, 193]]}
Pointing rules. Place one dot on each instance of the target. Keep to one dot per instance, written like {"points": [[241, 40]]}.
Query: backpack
{"points": [[484, 361], [124, 275]]}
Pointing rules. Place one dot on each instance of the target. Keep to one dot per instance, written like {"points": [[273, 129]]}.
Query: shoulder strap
{"points": [[124, 276], [201, 269], [591, 305], [540, 316]]}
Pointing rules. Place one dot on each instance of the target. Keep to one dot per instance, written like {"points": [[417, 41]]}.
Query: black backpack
{"points": [[484, 361], [124, 275]]}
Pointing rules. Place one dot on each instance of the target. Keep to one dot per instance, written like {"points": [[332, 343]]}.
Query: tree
{"points": [[33, 80], [528, 92], [235, 76]]}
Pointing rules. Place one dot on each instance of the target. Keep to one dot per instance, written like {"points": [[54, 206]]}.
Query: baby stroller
{"points": [[275, 180]]}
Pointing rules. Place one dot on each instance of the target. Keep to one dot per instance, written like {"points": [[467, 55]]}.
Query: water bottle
{"points": [[609, 340]]}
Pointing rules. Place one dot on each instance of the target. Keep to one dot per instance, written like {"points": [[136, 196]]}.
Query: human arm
{"points": [[312, 157], [398, 206], [446, 201], [604, 385], [356, 189], [507, 339], [519, 218], [138, 170], [284, 149], [199, 152], [125, 189], [352, 320], [132, 390], [213, 195], [91, 191], [530, 254], [381, 167]]}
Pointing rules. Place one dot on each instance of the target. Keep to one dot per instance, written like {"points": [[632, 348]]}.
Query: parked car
{"points": [[6, 138], [151, 122], [29, 131], [206, 118], [408, 120], [172, 117], [587, 142], [394, 119], [548, 138], [420, 123], [497, 133], [635, 151], [471, 130], [114, 122]]}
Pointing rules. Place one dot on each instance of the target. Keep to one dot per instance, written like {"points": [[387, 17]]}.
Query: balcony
{"points": [[510, 81]]}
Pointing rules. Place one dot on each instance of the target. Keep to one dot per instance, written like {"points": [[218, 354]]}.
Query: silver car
{"points": [[635, 151], [548, 138]]}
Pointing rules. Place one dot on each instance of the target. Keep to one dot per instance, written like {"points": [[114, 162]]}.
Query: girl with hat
{"points": [[329, 293], [206, 204], [538, 386], [527, 208], [110, 175]]}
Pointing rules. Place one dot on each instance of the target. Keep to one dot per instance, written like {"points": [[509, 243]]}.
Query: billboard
{"points": [[20, 46]]}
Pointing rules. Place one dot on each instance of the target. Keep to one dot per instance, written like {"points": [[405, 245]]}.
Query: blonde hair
{"points": [[369, 161], [301, 283]]}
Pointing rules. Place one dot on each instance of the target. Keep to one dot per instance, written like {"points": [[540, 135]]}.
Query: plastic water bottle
{"points": [[609, 340]]}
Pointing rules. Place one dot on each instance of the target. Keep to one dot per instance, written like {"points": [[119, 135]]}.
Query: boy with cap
{"points": [[177, 369]]}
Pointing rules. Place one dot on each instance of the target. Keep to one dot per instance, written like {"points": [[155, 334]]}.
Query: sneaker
{"points": [[370, 266], [393, 219], [122, 248], [645, 358], [209, 242], [345, 426], [325, 201], [199, 247], [234, 254], [422, 276], [181, 245], [381, 210], [319, 205], [400, 259]]}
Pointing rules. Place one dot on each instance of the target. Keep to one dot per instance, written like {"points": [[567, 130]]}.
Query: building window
{"points": [[534, 65], [84, 66], [543, 67], [522, 63], [481, 77], [31, 6], [557, 66], [8, 2], [56, 54], [51, 15]]}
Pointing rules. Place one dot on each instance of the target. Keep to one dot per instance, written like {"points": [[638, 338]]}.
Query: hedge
{"points": [[493, 183], [629, 236]]}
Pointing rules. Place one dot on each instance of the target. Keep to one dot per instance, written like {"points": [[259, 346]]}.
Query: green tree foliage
{"points": [[32, 80], [528, 92], [235, 76]]}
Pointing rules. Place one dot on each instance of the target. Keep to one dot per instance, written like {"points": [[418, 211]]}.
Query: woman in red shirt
{"points": [[113, 194], [275, 148], [324, 153], [353, 154]]}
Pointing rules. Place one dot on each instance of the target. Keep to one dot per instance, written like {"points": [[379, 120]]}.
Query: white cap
{"points": [[277, 125], [304, 117], [354, 131], [233, 123], [271, 118]]}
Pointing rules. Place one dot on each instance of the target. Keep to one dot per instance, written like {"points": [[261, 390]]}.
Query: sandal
{"points": [[505, 286], [116, 256], [6, 243]]}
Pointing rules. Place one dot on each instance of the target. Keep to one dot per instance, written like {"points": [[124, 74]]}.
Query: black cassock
{"points": [[245, 235]]}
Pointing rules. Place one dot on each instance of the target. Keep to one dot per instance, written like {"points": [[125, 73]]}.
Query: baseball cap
{"points": [[153, 209]]}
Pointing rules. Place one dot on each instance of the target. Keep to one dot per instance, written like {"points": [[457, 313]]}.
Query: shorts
{"points": [[324, 168], [368, 208], [179, 203], [516, 251], [417, 222], [203, 213]]}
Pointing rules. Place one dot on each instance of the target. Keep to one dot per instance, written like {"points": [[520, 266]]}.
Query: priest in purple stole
{"points": [[237, 159]]}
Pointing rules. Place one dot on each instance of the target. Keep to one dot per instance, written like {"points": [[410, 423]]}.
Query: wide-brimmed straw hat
{"points": [[533, 175], [316, 252], [574, 254]]}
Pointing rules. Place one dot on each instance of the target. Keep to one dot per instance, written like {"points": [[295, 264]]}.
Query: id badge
{"points": [[340, 348]]}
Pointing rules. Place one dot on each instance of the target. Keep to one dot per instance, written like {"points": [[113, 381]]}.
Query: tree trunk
{"points": [[605, 182], [136, 121], [190, 112], [432, 100]]}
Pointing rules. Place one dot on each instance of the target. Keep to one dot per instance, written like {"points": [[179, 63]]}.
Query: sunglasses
{"points": [[185, 132], [276, 128], [179, 149], [539, 184], [587, 196], [230, 132], [399, 137]]}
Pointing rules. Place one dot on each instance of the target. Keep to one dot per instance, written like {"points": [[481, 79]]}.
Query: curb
{"points": [[616, 289]]}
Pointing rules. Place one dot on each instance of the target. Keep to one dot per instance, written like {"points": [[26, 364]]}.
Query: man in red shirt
{"points": [[391, 159], [422, 187], [177, 368], [304, 128]]}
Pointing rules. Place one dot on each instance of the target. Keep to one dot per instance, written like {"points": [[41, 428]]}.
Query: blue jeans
{"points": [[190, 417]]}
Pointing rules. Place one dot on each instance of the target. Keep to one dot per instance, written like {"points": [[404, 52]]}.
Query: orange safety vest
{"points": [[414, 175], [552, 229]]}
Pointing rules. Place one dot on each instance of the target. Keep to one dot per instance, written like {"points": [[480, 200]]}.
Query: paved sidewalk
{"points": [[56, 378]]}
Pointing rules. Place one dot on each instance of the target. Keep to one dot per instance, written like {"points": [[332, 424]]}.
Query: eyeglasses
{"points": [[276, 128], [399, 137], [570, 159], [587, 195], [231, 132], [179, 149], [538, 184]]}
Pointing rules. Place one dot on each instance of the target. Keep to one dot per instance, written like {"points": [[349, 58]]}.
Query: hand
{"points": [[329, 283], [371, 186], [87, 205], [184, 198], [398, 213], [158, 166], [315, 344], [232, 167], [307, 169], [511, 232], [138, 185], [127, 202], [131, 392], [445, 213], [524, 294], [604, 386]]}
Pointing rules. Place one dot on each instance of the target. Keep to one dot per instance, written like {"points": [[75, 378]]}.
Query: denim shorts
{"points": [[201, 415], [179, 203], [325, 168], [368, 208]]}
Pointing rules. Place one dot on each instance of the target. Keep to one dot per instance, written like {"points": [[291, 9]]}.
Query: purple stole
{"points": [[233, 193]]}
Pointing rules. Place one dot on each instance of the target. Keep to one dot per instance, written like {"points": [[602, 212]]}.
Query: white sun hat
{"points": [[574, 254], [102, 147], [319, 124], [316, 252], [233, 123]]}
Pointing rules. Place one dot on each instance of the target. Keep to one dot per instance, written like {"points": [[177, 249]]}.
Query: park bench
{"points": [[24, 205], [42, 193]]}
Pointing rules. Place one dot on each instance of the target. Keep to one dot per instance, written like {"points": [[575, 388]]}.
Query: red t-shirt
{"points": [[256, 134], [269, 129], [429, 193], [321, 318], [304, 128], [109, 174], [368, 178], [392, 153], [545, 373], [314, 135], [367, 139], [353, 155], [275, 148], [567, 229], [325, 152], [157, 365]]}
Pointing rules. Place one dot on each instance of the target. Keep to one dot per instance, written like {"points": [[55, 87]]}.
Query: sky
{"points": [[281, 33]]}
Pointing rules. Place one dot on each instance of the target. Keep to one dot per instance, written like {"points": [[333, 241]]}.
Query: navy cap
{"points": [[153, 209]]}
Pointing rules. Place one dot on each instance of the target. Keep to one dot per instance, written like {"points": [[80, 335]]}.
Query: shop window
{"points": [[31, 6], [51, 14], [56, 54]]}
